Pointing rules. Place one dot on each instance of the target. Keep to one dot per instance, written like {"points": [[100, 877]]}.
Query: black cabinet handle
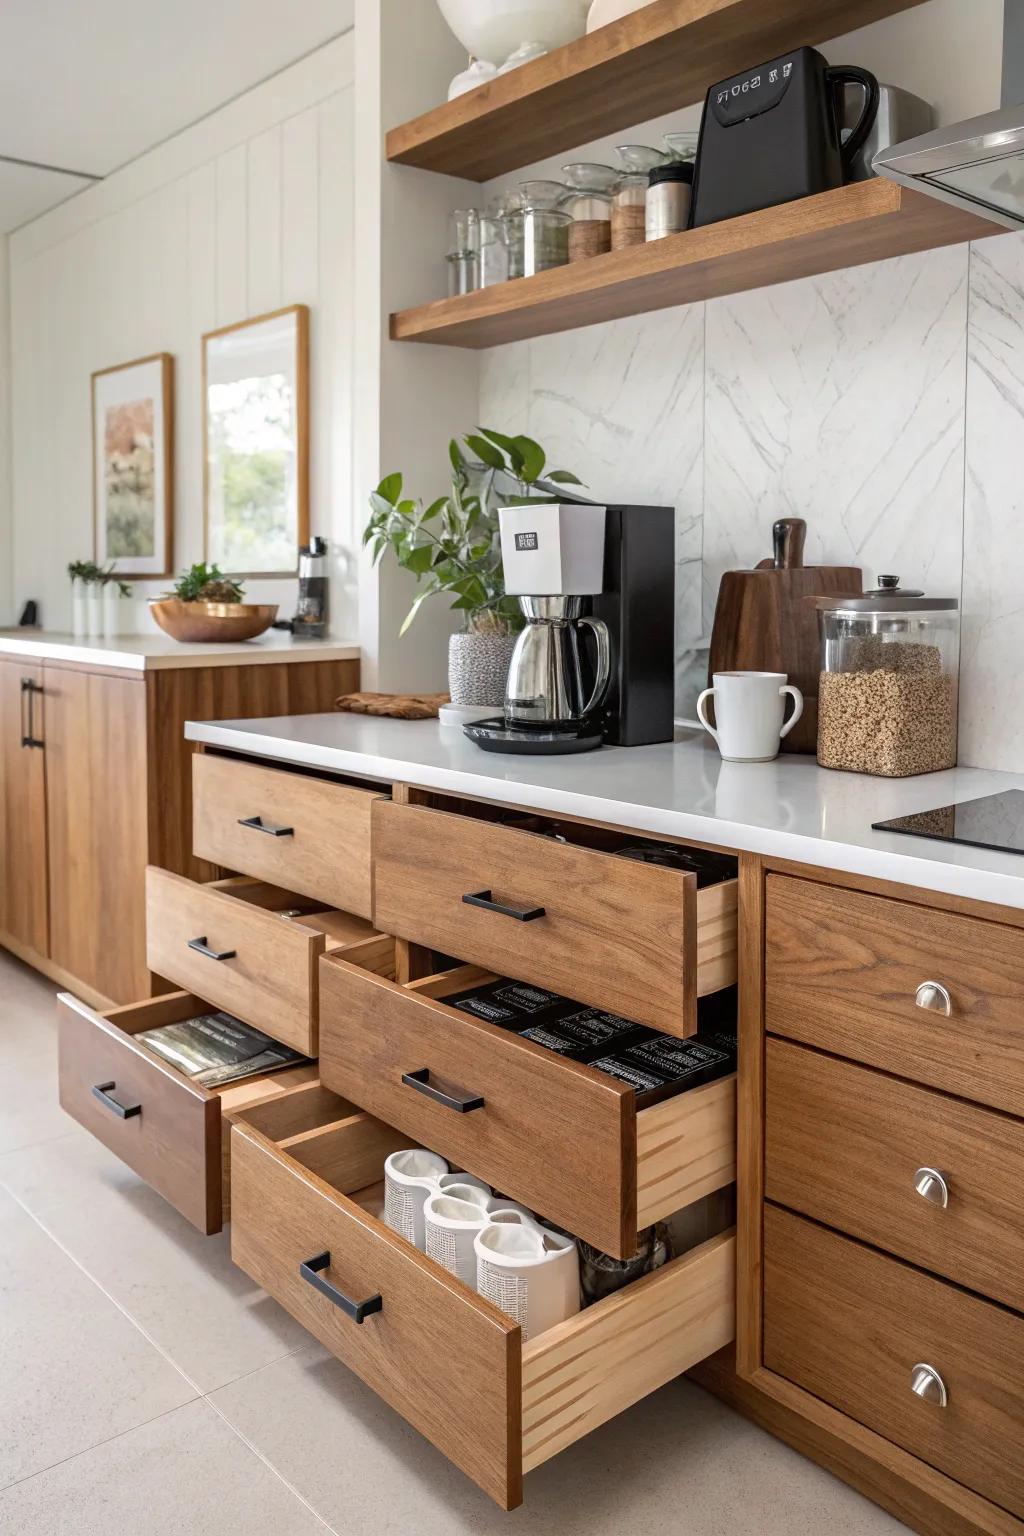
{"points": [[202, 948], [356, 1310], [421, 1082], [483, 899], [257, 824], [101, 1091], [29, 689]]}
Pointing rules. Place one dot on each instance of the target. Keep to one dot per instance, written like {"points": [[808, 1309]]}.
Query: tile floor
{"points": [[146, 1384]]}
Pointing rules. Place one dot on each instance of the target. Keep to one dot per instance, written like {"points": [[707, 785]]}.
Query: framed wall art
{"points": [[133, 466], [256, 443]]}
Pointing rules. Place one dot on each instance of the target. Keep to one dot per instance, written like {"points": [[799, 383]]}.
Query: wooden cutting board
{"points": [[763, 623]]}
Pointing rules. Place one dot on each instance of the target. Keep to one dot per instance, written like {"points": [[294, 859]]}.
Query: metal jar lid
{"points": [[887, 597]]}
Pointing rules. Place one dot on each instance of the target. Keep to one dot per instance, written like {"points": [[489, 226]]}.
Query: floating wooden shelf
{"points": [[867, 221], [661, 57]]}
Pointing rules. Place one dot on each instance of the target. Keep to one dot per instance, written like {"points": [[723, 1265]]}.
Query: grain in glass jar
{"points": [[629, 200], [589, 202], [887, 695]]}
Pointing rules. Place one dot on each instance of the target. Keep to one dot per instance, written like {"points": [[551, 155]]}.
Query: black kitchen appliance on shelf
{"points": [[568, 692], [774, 134]]}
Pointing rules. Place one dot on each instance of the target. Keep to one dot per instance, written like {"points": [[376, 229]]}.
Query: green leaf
{"points": [[485, 451], [413, 611], [508, 445], [562, 477], [456, 456], [390, 488], [381, 505], [534, 457], [434, 508], [419, 560]]}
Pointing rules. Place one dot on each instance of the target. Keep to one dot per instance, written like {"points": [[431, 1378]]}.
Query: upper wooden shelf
{"points": [[661, 57], [868, 221]]}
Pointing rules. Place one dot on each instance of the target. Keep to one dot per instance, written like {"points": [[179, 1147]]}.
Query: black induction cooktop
{"points": [[993, 821]]}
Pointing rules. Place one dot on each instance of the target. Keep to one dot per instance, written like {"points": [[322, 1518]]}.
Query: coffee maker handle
{"points": [[852, 74], [604, 662]]}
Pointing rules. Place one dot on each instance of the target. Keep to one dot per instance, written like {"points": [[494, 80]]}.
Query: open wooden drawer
{"points": [[252, 948], [565, 1139], [636, 938], [306, 833], [307, 1209], [168, 1129]]}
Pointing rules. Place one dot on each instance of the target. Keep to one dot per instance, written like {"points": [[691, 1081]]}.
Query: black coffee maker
{"points": [[774, 133]]}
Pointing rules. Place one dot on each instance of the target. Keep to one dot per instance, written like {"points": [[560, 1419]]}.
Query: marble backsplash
{"points": [[883, 404]]}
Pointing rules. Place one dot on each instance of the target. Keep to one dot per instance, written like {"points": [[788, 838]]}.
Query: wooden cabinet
{"points": [[23, 895], [107, 791]]}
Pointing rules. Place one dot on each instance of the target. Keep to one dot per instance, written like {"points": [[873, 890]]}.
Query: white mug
{"points": [[409, 1177], [530, 1272], [749, 711]]}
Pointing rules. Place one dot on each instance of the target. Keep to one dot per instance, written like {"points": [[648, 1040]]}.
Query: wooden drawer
{"points": [[843, 971], [563, 1138], [306, 834], [851, 1326], [847, 1145], [229, 941], [635, 938], [171, 1134], [450, 1362]]}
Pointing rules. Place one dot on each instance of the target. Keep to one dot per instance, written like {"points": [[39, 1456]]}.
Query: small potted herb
{"points": [[86, 599], [452, 547]]}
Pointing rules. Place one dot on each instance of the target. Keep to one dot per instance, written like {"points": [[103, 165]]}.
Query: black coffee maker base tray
{"points": [[495, 736]]}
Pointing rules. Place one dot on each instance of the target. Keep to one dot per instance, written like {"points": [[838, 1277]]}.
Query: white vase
{"points": [[116, 609], [79, 617], [478, 668], [492, 29], [93, 610]]}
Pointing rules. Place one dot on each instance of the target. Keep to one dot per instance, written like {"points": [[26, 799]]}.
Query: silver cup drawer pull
{"points": [[933, 996], [932, 1186], [927, 1384]]}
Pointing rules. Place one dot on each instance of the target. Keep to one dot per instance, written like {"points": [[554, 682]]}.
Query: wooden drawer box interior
{"points": [[556, 904], [850, 1146], [166, 1128], [292, 828], [563, 1138], [447, 1360], [253, 949]]}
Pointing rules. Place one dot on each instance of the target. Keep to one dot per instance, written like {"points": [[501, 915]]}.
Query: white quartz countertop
{"points": [[155, 652], [790, 809]]}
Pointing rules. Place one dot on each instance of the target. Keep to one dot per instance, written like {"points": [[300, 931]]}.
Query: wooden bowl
{"points": [[212, 621]]}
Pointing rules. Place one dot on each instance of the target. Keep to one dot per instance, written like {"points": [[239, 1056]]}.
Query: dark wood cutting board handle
{"points": [[788, 536]]}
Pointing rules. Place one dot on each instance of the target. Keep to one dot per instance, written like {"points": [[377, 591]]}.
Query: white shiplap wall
{"points": [[246, 211]]}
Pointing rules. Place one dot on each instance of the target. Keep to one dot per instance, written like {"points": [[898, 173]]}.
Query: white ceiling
{"points": [[85, 87]]}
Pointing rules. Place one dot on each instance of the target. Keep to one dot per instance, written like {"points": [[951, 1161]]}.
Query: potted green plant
{"points": [[452, 547], [207, 605], [86, 602]]}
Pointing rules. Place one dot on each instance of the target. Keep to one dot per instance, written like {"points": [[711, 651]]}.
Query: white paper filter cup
{"points": [[530, 1272], [409, 1177], [451, 1229]]}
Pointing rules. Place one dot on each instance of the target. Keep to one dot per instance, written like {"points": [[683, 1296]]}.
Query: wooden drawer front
{"points": [[846, 1145], [562, 1138], [635, 938], [851, 1325], [843, 970], [448, 1361], [171, 1136], [310, 835], [269, 979]]}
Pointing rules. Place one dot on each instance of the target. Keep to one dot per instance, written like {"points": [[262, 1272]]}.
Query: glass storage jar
{"points": [[887, 694], [630, 196], [544, 237], [463, 256], [589, 202]]}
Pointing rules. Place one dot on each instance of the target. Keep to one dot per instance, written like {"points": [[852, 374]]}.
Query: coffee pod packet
{"points": [[589, 1032], [510, 1004], [664, 1065]]}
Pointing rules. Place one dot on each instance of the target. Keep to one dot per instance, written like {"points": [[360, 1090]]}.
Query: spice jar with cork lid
{"points": [[887, 697]]}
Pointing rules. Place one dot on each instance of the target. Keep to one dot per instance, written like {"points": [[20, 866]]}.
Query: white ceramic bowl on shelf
{"points": [[492, 29]]}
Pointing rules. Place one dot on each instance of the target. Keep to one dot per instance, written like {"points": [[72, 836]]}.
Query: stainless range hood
{"points": [[977, 164]]}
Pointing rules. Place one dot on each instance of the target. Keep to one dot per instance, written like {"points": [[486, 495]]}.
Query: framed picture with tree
{"points": [[133, 466]]}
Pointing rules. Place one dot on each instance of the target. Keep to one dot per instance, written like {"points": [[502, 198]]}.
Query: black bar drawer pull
{"points": [[29, 689], [202, 948], [356, 1310], [257, 824], [101, 1091], [421, 1082], [483, 899]]}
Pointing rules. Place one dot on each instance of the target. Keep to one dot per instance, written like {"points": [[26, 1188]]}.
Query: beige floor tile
{"points": [[29, 1109], [184, 1474], [679, 1461], [73, 1369], [180, 1286]]}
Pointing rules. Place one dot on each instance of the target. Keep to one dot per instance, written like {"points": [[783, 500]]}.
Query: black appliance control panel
{"points": [[750, 94]]}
